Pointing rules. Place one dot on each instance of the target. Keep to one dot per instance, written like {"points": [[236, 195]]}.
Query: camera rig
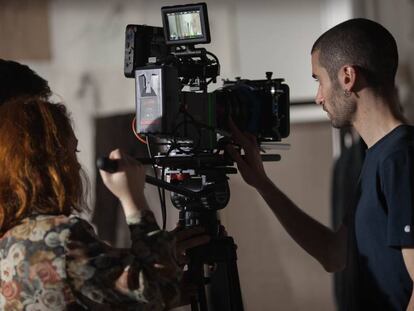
{"points": [[189, 126]]}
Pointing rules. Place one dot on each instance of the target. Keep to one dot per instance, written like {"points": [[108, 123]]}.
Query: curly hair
{"points": [[38, 172]]}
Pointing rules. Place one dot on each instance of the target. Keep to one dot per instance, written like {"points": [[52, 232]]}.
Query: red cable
{"points": [[136, 134]]}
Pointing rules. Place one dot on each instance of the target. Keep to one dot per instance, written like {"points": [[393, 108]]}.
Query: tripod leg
{"points": [[225, 292], [199, 302], [194, 304], [202, 300]]}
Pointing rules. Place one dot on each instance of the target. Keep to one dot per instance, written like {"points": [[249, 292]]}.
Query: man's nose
{"points": [[318, 101], [319, 98]]}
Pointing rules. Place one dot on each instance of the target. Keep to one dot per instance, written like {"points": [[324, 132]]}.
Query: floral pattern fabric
{"points": [[50, 262]]}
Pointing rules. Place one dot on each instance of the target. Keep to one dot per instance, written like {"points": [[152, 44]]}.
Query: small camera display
{"points": [[186, 24]]}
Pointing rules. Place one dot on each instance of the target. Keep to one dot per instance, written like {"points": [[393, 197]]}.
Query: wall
{"points": [[276, 274]]}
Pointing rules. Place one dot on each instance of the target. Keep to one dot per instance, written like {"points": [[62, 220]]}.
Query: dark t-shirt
{"points": [[384, 221]]}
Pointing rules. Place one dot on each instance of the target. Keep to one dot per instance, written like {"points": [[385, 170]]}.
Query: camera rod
{"points": [[111, 166], [200, 161]]}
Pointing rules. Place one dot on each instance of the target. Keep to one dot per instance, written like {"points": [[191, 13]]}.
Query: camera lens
{"points": [[240, 103]]}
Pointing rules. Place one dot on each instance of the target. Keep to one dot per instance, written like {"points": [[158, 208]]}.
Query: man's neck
{"points": [[375, 118]]}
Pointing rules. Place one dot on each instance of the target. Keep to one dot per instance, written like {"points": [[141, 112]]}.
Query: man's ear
{"points": [[347, 77]]}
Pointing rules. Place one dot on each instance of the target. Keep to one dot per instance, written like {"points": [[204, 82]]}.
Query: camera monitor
{"points": [[186, 24]]}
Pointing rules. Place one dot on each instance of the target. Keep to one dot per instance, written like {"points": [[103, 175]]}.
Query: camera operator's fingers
{"points": [[184, 245], [127, 183], [252, 150], [182, 260], [251, 137], [123, 159], [186, 239], [235, 155], [237, 135], [116, 154], [181, 233], [250, 166]]}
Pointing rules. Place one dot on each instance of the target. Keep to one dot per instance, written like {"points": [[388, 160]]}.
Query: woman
{"points": [[52, 260]]}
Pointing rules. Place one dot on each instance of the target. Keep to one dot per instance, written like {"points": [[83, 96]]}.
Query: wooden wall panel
{"points": [[24, 30]]}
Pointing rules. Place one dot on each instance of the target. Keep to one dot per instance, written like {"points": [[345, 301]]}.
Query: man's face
{"points": [[330, 95]]}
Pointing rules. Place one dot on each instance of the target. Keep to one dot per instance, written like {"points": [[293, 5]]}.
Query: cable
{"points": [[161, 195], [214, 56], [135, 132]]}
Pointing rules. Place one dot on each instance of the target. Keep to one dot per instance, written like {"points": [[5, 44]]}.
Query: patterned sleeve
{"points": [[144, 277]]}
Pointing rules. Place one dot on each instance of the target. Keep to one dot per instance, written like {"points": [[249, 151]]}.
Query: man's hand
{"points": [[251, 166]]}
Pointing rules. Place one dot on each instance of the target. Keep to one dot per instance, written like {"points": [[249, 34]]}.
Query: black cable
{"points": [[161, 195], [214, 56]]}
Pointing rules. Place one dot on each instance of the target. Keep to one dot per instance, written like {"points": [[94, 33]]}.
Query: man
{"points": [[355, 64]]}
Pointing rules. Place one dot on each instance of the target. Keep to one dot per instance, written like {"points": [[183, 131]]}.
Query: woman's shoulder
{"points": [[38, 227]]}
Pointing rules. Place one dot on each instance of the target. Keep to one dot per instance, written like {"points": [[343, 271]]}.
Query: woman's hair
{"points": [[39, 174], [19, 80]]}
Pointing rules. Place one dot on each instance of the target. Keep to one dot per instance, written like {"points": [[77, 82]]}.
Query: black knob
{"points": [[269, 75]]}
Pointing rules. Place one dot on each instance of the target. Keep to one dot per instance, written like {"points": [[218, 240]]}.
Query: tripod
{"points": [[218, 289]]}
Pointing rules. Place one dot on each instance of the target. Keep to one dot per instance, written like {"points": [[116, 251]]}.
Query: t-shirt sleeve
{"points": [[397, 182]]}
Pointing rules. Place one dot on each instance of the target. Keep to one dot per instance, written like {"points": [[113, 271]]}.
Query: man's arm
{"points": [[408, 255], [325, 245]]}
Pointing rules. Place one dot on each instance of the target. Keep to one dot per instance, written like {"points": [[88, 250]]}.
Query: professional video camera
{"points": [[174, 110], [171, 86]]}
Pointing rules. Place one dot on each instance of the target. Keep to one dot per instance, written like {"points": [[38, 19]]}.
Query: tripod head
{"points": [[198, 185]]}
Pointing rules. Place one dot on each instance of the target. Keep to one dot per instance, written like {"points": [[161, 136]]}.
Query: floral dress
{"points": [[50, 262]]}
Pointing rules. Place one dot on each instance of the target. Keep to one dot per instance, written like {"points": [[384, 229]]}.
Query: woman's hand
{"points": [[127, 183], [187, 238]]}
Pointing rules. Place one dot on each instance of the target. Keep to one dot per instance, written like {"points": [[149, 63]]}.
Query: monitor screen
{"points": [[186, 24]]}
